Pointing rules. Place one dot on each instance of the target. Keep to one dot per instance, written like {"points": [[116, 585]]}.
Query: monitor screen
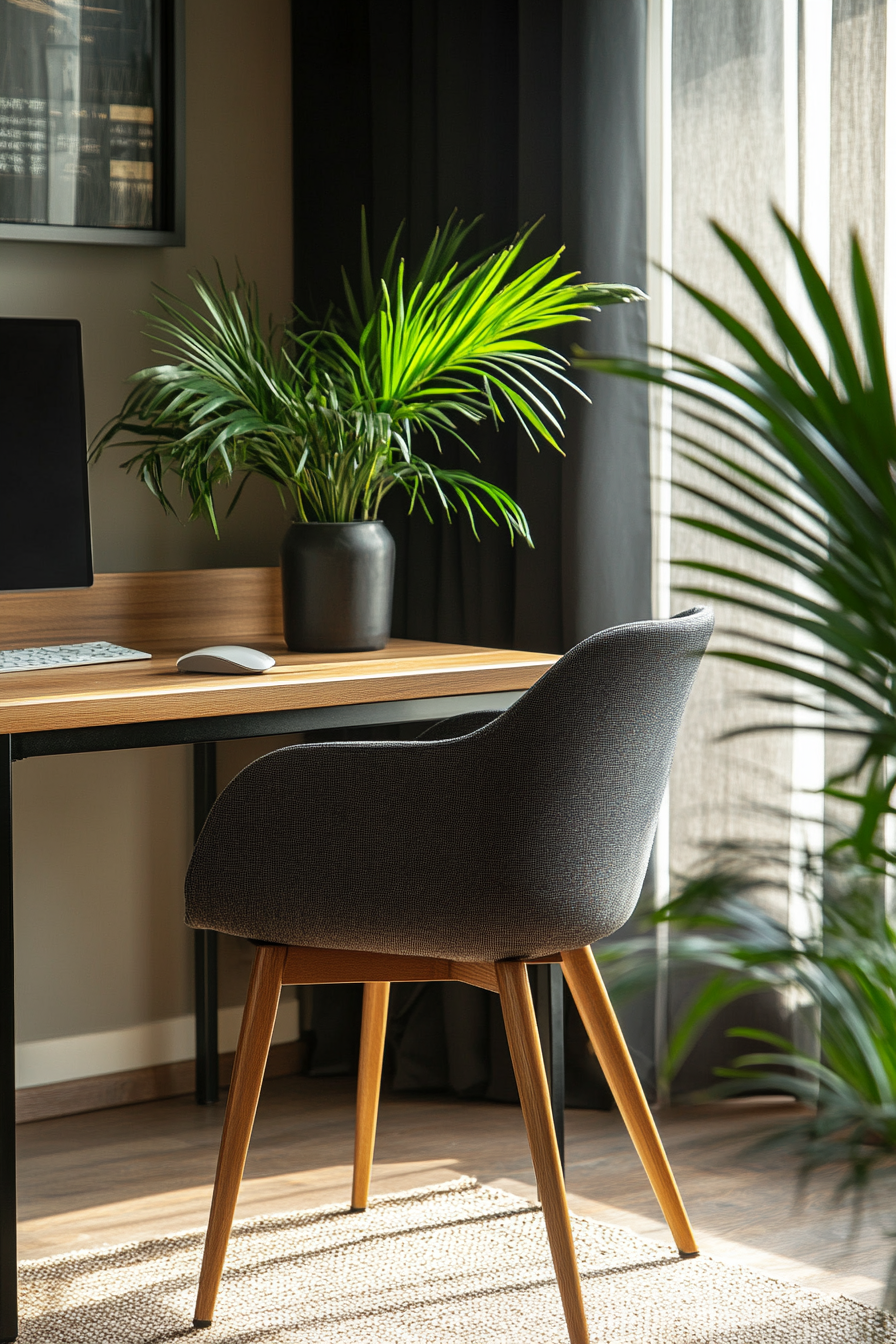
{"points": [[44, 506]]}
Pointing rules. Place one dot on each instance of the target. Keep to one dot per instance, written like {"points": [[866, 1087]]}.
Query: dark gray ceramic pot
{"points": [[337, 586]]}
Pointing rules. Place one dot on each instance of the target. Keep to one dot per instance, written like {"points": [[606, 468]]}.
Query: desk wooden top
{"points": [[169, 614]]}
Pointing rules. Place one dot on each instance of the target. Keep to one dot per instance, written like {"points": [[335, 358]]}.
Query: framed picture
{"points": [[91, 121]]}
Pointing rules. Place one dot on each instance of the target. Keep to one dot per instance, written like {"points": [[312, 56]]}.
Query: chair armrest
{"points": [[459, 726]]}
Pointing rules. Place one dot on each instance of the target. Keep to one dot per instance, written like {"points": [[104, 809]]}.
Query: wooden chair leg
{"points": [[252, 1049], [596, 1010], [370, 1070], [528, 1066]]}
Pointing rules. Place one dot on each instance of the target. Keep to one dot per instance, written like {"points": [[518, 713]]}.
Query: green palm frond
{"points": [[447, 250], [795, 454], [841, 979], [845, 980], [335, 416], [452, 344]]}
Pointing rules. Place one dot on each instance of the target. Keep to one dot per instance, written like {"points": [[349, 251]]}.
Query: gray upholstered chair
{"points": [[456, 858]]}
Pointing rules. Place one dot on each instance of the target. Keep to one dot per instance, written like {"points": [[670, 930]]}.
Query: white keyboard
{"points": [[66, 655]]}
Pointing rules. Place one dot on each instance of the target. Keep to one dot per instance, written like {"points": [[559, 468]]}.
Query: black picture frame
{"points": [[169, 178]]}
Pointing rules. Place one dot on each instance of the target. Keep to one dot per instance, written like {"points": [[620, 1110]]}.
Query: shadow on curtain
{"points": [[516, 110]]}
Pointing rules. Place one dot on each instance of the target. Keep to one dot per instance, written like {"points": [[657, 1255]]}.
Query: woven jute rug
{"points": [[459, 1261]]}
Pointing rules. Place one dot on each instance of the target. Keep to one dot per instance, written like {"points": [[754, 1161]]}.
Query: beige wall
{"points": [[102, 841]]}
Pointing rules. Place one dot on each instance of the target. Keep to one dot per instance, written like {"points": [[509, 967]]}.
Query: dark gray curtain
{"points": [[517, 110]]}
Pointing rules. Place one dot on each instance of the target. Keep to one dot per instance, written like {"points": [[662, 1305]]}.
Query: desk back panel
{"points": [[189, 607]]}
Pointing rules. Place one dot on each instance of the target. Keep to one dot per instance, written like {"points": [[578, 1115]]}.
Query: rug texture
{"points": [[452, 1262]]}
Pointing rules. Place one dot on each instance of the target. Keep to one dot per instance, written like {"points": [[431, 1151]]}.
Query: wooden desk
{"points": [[125, 705]]}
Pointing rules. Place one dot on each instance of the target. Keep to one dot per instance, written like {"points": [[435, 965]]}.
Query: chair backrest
{"points": [[583, 759]]}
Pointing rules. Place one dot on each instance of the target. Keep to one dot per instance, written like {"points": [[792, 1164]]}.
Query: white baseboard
{"points": [[67, 1057]]}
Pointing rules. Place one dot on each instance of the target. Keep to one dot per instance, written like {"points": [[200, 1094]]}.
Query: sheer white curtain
{"points": [[753, 102]]}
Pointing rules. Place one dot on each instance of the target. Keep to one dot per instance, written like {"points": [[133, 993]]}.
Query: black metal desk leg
{"points": [[549, 1015], [9, 1316], [205, 941]]}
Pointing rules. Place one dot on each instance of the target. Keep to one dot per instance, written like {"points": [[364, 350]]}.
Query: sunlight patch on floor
{"points": [[859, 1286], [180, 1210]]}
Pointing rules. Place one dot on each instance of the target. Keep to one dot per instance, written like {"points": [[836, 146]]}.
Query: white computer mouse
{"points": [[225, 658]]}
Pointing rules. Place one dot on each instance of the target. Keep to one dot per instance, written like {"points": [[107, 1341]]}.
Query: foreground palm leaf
{"points": [[845, 981], [839, 982], [337, 417], [804, 477], [795, 454]]}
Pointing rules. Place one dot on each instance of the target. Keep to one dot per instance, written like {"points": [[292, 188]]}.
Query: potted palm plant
{"points": [[339, 415]]}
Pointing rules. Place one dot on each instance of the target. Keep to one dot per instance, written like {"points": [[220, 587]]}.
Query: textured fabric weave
{"points": [[528, 836]]}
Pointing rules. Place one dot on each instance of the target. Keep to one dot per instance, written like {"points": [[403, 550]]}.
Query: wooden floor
{"points": [[140, 1171]]}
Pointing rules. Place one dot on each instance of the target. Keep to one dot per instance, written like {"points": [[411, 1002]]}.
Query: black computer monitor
{"points": [[44, 505]]}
